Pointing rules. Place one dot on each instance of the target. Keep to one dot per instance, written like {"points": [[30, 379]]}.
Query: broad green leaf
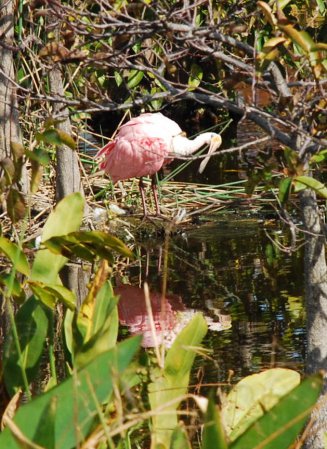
{"points": [[45, 432], [77, 401], [171, 382], [50, 294], [32, 327], [322, 6], [106, 302], [16, 255], [180, 357], [179, 439], [213, 431], [65, 218], [254, 394], [280, 426], [88, 245], [312, 183], [47, 298], [104, 328], [83, 324], [284, 190]]}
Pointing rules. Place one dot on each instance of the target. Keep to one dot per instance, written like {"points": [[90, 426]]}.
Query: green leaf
{"points": [[49, 136], [280, 426], [196, 75], [301, 38], [54, 136], [13, 286], [172, 381], [213, 431], [88, 245], [312, 183], [16, 255], [284, 191], [134, 78], [45, 432], [32, 327], [179, 439], [252, 395], [38, 155], [118, 78], [319, 157], [77, 401], [50, 294], [65, 218], [180, 356], [104, 327]]}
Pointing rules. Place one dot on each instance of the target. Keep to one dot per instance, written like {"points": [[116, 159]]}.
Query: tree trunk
{"points": [[9, 114], [68, 179], [9, 129], [316, 304]]}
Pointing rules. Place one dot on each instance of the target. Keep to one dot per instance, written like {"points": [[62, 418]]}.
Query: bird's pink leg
{"points": [[141, 187], [154, 187]]}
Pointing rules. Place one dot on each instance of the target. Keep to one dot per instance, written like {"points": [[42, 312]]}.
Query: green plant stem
{"points": [[20, 20], [18, 348], [52, 358]]}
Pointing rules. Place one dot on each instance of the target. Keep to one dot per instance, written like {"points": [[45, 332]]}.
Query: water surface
{"points": [[225, 267]]}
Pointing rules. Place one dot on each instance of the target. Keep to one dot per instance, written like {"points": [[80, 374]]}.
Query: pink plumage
{"points": [[146, 143], [141, 147]]}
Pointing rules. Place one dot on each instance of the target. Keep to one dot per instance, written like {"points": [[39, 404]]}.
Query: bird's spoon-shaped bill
{"points": [[214, 145]]}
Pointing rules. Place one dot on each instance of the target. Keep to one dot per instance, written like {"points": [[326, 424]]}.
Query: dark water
{"points": [[223, 267]]}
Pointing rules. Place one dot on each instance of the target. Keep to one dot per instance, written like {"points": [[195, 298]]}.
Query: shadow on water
{"points": [[221, 268]]}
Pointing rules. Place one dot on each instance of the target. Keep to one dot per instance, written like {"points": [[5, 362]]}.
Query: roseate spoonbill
{"points": [[146, 143]]}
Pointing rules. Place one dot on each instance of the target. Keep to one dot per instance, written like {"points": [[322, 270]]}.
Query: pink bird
{"points": [[145, 144]]}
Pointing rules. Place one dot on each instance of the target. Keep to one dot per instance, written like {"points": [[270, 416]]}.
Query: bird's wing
{"points": [[132, 158], [106, 149]]}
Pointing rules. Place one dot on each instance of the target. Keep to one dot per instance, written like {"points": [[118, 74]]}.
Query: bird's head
{"points": [[214, 141]]}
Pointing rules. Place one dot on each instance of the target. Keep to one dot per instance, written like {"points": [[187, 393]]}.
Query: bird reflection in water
{"points": [[169, 314]]}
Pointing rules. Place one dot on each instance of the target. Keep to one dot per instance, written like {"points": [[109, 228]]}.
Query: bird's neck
{"points": [[182, 146]]}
